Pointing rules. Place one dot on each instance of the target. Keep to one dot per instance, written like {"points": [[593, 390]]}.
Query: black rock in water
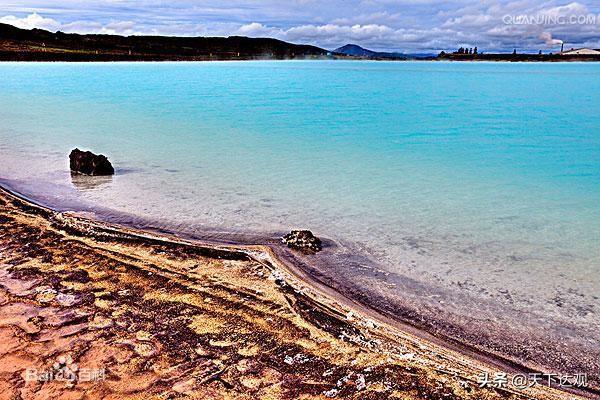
{"points": [[302, 239], [88, 163]]}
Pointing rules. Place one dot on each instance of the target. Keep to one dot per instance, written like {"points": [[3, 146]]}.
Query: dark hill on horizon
{"points": [[354, 50], [40, 45]]}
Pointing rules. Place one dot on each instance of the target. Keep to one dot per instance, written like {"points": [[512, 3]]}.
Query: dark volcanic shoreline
{"points": [[41, 45], [324, 271]]}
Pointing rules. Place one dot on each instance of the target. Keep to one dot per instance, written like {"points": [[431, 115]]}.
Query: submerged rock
{"points": [[302, 239], [88, 163]]}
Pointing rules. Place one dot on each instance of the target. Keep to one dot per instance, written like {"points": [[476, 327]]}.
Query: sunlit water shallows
{"points": [[477, 178]]}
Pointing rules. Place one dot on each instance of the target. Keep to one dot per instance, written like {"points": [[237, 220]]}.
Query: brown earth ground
{"points": [[154, 316]]}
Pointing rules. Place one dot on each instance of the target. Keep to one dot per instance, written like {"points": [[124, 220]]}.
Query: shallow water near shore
{"points": [[469, 190]]}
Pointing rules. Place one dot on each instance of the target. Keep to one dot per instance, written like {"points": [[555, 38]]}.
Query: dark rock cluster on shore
{"points": [[303, 240], [88, 163]]}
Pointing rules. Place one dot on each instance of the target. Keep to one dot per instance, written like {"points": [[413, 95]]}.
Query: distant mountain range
{"points": [[41, 45], [354, 50]]}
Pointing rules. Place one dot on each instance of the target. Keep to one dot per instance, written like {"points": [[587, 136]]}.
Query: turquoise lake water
{"points": [[480, 178]]}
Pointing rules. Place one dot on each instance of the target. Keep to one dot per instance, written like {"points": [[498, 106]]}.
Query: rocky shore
{"points": [[118, 314]]}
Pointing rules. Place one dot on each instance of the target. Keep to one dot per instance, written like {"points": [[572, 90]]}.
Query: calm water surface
{"points": [[479, 178]]}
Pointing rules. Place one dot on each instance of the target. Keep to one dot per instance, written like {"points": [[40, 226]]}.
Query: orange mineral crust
{"points": [[90, 310]]}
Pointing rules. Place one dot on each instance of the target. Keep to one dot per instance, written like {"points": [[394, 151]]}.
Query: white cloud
{"points": [[120, 28], [329, 31], [82, 27], [471, 21], [330, 35], [377, 18], [566, 10], [35, 20], [31, 21], [256, 29]]}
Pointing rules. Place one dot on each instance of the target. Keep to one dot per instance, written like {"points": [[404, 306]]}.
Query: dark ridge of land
{"points": [[41, 45], [514, 57]]}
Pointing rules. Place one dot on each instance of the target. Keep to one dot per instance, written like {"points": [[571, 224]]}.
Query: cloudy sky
{"points": [[398, 25]]}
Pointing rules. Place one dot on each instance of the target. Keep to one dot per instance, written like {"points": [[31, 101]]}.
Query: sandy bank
{"points": [[150, 315]]}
